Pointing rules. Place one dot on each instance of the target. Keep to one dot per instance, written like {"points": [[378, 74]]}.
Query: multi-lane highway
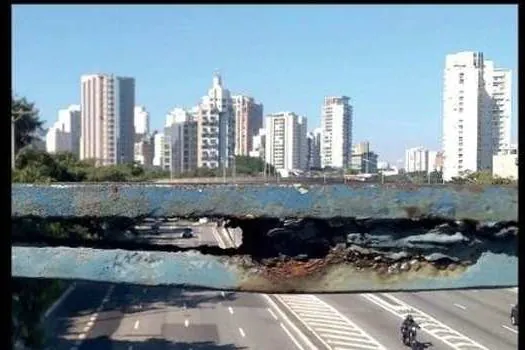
{"points": [[98, 316]]}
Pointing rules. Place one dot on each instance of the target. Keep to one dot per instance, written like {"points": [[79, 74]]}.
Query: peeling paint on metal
{"points": [[131, 200]]}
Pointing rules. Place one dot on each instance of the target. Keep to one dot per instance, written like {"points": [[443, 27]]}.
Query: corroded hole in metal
{"points": [[281, 249]]}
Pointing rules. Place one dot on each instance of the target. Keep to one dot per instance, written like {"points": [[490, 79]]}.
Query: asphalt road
{"points": [[171, 234], [98, 316]]}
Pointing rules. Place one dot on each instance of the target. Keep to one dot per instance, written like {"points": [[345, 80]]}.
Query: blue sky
{"points": [[388, 59]]}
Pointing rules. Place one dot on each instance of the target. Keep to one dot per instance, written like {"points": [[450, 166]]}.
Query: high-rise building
{"points": [[314, 149], [144, 151], [476, 113], [158, 150], [181, 136], [363, 160], [64, 135], [506, 163], [418, 159], [216, 127], [107, 105], [248, 121], [336, 126], [141, 120], [259, 144], [286, 146]]}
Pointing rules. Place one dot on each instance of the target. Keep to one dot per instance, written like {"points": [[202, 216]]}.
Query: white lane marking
{"points": [[230, 310], [291, 336], [218, 238], [272, 313], [82, 336], [303, 337], [136, 325], [509, 329], [60, 300], [86, 328], [242, 332], [428, 324], [330, 316], [459, 306], [186, 323], [90, 324], [223, 294], [93, 317]]}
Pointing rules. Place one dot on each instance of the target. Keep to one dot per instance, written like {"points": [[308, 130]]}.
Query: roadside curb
{"points": [[64, 295]]}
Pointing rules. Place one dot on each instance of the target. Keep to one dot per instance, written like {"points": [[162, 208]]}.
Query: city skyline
{"points": [[280, 82]]}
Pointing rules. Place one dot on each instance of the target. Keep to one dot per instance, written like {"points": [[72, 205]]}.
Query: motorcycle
{"points": [[409, 336]]}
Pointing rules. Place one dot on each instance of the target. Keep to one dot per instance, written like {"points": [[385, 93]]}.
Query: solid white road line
{"points": [[509, 329], [272, 313], [283, 316], [291, 336]]}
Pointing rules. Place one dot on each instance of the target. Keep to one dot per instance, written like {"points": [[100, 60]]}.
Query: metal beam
{"points": [[198, 270], [487, 203]]}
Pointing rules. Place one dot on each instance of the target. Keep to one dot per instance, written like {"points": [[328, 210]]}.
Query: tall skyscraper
{"points": [[141, 120], [216, 127], [64, 135], [248, 121], [476, 113], [158, 150], [107, 112], [336, 125], [286, 146]]}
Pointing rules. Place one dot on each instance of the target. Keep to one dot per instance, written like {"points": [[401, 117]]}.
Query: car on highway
{"points": [[187, 233], [514, 315]]}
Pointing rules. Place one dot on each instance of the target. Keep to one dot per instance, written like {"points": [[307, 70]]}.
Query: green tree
{"points": [[27, 121]]}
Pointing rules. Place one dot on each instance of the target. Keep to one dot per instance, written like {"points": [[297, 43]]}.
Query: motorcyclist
{"points": [[408, 322]]}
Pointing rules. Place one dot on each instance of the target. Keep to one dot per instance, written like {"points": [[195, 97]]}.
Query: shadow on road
{"points": [[421, 345], [124, 301], [105, 343]]}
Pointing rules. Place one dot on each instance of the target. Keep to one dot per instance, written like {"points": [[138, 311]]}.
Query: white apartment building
{"points": [[181, 136], [419, 159], [248, 121], [258, 144], [158, 150], [107, 105], [286, 146], [505, 163], [336, 131], [64, 135], [141, 120], [216, 127], [476, 113]]}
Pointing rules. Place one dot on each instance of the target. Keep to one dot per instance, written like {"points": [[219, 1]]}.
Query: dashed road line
{"points": [[92, 320], [242, 332], [428, 324], [230, 310], [318, 317], [459, 306], [186, 323], [136, 325]]}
